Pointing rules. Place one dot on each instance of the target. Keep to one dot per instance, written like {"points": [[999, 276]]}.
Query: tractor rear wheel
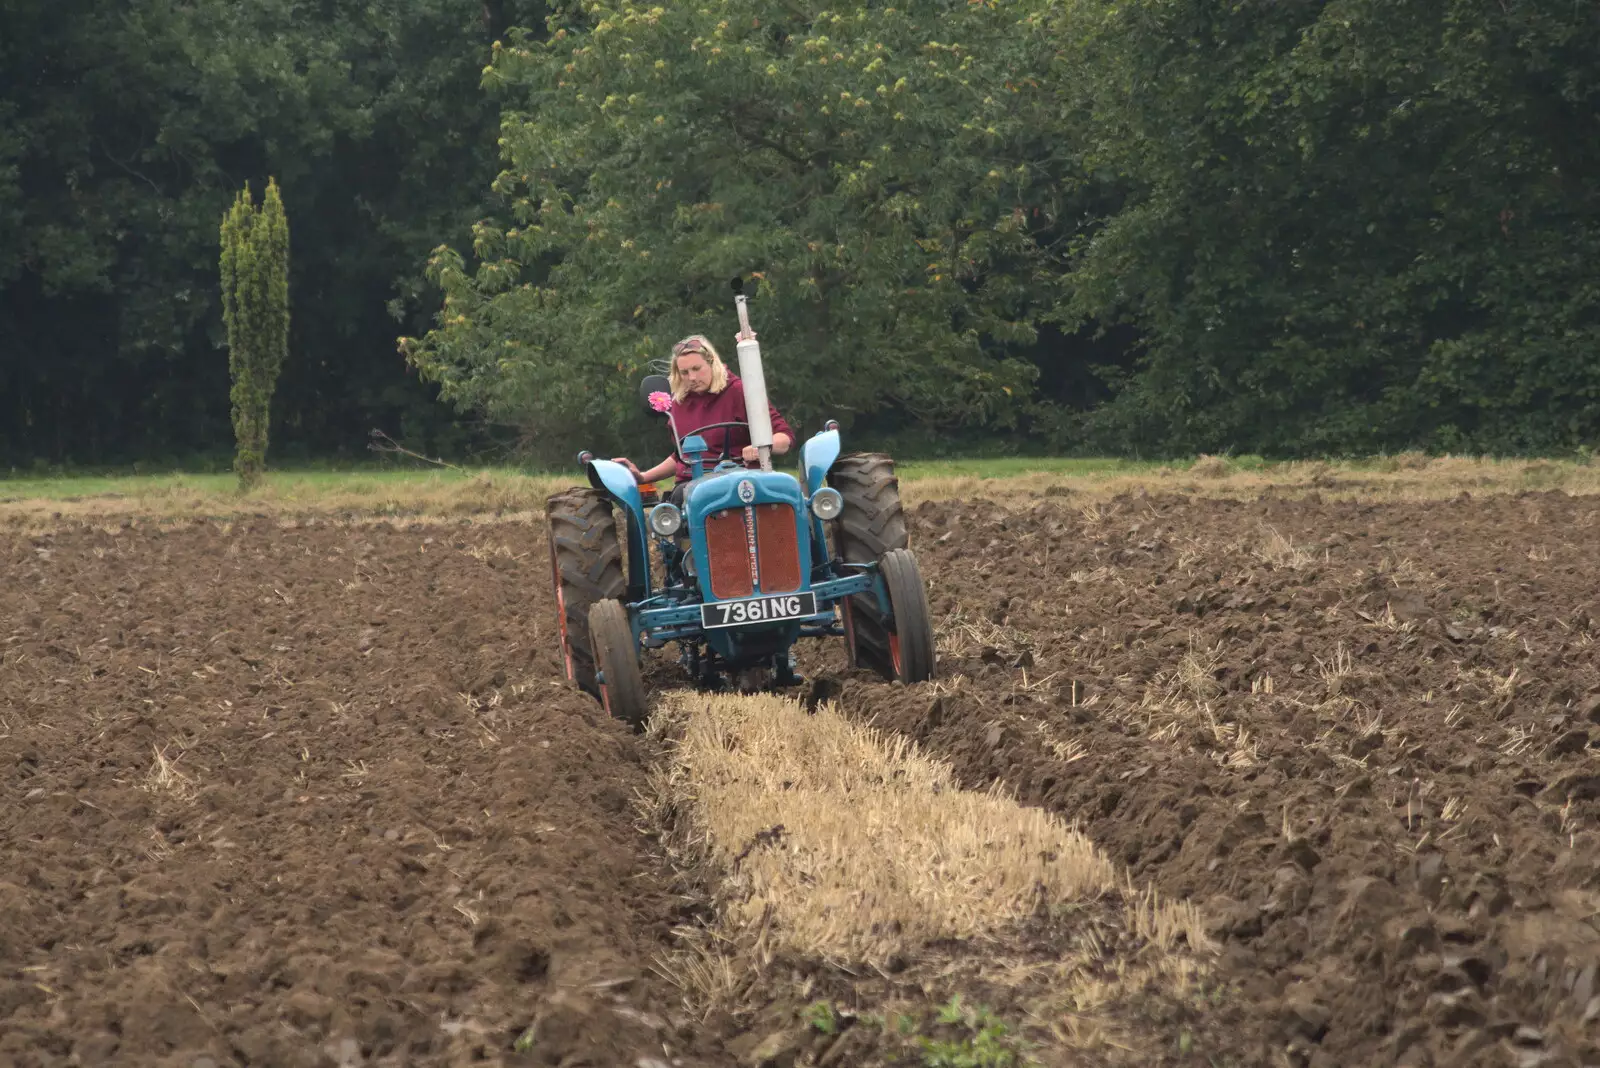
{"points": [[872, 521], [617, 653], [585, 568], [871, 525]]}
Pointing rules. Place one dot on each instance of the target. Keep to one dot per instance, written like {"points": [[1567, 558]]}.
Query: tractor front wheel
{"points": [[585, 568], [911, 655], [617, 655]]}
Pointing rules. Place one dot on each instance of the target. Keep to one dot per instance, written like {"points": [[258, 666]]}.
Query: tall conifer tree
{"points": [[255, 308]]}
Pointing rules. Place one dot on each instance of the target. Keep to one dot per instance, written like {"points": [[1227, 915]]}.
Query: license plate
{"points": [[758, 610]]}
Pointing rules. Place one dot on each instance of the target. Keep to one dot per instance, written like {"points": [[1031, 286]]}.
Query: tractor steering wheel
{"points": [[700, 431]]}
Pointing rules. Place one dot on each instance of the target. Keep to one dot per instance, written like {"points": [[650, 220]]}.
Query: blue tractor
{"points": [[752, 561]]}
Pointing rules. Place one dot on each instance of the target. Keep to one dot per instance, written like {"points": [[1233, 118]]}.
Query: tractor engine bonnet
{"points": [[751, 534]]}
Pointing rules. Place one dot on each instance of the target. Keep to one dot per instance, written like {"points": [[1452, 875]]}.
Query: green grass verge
{"points": [[286, 487], [418, 490], [283, 485], [1015, 466]]}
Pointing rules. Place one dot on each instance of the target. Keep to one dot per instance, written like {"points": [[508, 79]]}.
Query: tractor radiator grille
{"points": [[778, 546], [776, 542], [729, 550]]}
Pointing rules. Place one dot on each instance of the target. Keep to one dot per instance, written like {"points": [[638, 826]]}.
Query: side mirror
{"points": [[652, 385]]}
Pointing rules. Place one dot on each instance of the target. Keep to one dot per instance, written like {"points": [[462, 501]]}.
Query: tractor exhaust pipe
{"points": [[757, 413]]}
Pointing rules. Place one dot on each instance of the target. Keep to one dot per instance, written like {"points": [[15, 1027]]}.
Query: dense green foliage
{"points": [[1318, 226], [254, 269], [125, 131], [872, 180], [1349, 224], [1150, 226]]}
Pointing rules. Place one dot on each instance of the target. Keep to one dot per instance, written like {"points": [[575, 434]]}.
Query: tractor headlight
{"points": [[666, 519], [827, 503]]}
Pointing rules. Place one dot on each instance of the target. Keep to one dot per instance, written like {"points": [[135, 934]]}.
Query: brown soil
{"points": [[312, 796], [1358, 735]]}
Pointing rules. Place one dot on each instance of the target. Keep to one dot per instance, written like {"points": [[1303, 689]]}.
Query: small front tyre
{"points": [[616, 653], [910, 637]]}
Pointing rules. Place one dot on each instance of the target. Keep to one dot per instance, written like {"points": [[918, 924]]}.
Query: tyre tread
{"points": [[587, 561], [871, 524], [617, 654]]}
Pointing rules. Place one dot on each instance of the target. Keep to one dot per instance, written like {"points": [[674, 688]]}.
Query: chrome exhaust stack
{"points": [[757, 412]]}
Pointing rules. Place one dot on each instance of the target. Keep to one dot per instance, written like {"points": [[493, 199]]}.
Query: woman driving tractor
{"points": [[705, 394]]}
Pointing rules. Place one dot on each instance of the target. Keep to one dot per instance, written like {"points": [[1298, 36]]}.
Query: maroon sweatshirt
{"points": [[702, 409]]}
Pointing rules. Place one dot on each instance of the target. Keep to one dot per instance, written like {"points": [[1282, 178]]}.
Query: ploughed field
{"points": [[1357, 736], [314, 796], [315, 792]]}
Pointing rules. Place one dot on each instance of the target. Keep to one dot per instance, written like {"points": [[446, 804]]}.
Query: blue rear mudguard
{"points": [[618, 481]]}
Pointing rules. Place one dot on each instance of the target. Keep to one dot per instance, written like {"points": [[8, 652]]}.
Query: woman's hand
{"points": [[660, 470], [780, 445]]}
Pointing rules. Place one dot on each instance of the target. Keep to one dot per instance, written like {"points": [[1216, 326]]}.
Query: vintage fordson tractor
{"points": [[752, 561]]}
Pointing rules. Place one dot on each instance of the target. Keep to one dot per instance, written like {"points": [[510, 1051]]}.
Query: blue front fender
{"points": [[619, 482], [817, 456]]}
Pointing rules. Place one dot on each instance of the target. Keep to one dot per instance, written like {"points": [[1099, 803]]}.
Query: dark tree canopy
{"points": [[125, 132], [1154, 227], [1348, 225]]}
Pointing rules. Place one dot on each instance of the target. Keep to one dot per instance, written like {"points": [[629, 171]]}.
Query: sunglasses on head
{"points": [[691, 345]]}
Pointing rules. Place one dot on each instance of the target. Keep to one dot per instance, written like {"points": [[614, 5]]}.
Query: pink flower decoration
{"points": [[661, 402]]}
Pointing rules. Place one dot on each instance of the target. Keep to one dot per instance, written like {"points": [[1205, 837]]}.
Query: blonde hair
{"points": [[696, 344]]}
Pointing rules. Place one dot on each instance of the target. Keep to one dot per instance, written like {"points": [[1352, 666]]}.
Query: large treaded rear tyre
{"points": [[585, 568], [871, 526], [617, 653], [872, 521]]}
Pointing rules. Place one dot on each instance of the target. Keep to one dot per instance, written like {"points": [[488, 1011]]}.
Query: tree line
{"points": [[1147, 227], [126, 132]]}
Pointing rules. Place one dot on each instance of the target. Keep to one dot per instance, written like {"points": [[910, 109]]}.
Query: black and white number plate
{"points": [[758, 610]]}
